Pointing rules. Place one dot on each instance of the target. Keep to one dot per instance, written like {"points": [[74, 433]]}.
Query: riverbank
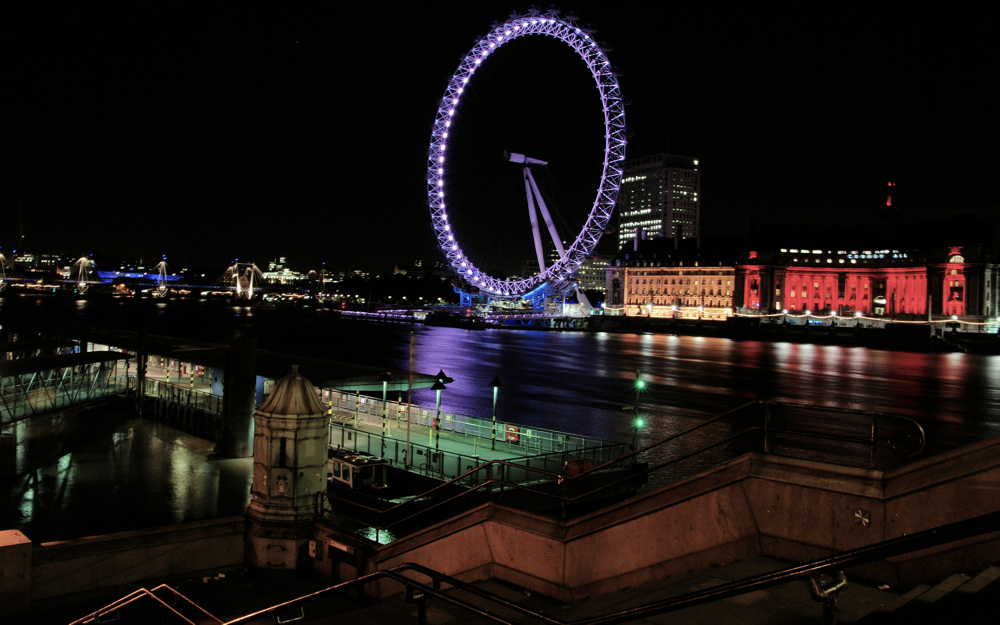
{"points": [[890, 335], [877, 333]]}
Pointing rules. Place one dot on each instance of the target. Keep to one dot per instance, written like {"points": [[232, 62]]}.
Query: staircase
{"points": [[959, 598]]}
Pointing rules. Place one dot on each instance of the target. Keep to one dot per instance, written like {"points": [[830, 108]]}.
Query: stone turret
{"points": [[289, 469]]}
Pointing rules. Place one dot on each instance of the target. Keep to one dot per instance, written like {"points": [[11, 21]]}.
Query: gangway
{"points": [[34, 386]]}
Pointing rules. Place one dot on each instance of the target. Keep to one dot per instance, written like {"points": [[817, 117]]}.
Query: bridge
{"points": [[40, 384]]}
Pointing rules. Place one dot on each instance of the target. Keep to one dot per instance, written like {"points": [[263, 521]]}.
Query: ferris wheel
{"points": [[557, 272]]}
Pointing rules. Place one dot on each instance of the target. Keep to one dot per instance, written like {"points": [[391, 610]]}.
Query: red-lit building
{"points": [[873, 282]]}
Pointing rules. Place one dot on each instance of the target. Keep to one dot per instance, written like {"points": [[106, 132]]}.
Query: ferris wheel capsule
{"points": [[605, 81]]}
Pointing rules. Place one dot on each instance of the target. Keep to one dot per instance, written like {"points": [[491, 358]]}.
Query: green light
{"points": [[639, 423], [640, 383]]}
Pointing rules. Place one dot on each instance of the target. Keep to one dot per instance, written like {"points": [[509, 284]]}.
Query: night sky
{"points": [[252, 135]]}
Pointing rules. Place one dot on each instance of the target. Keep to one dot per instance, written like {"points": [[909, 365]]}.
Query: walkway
{"points": [[460, 446]]}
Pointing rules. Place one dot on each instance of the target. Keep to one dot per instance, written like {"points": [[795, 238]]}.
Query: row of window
{"points": [[636, 281], [710, 292]]}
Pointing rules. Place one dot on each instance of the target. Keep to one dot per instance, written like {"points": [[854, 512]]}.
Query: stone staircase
{"points": [[959, 598]]}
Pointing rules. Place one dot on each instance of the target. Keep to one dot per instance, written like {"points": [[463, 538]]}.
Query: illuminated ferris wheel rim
{"points": [[566, 31]]}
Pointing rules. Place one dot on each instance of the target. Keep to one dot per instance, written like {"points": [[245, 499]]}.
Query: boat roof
{"points": [[356, 459]]}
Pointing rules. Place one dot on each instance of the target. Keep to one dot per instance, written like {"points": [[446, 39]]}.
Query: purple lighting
{"points": [[566, 31]]}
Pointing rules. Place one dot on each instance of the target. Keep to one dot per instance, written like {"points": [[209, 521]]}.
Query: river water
{"points": [[138, 473]]}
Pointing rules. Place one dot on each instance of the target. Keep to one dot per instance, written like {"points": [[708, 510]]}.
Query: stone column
{"points": [[238, 396]]}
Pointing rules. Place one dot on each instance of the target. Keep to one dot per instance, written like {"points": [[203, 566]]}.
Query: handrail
{"points": [[873, 433], [94, 617], [901, 545], [959, 530]]}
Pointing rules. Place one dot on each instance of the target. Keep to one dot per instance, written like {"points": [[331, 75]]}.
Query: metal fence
{"points": [[511, 437], [181, 394], [428, 459]]}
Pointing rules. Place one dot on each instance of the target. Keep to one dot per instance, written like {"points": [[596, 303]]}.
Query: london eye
{"points": [[469, 211]]}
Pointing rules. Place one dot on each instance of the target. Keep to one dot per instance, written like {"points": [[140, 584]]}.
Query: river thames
{"points": [[143, 473]]}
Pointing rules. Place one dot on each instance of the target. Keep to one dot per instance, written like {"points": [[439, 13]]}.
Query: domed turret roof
{"points": [[293, 395]]}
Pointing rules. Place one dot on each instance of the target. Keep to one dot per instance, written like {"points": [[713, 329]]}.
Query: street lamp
{"points": [[438, 387], [640, 384], [638, 423], [495, 384], [385, 378]]}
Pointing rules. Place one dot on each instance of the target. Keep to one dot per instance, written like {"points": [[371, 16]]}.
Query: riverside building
{"points": [[889, 282], [659, 279]]}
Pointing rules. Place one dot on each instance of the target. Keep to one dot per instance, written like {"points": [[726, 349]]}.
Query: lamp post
{"points": [[385, 378], [495, 384], [638, 423], [640, 384], [438, 387]]}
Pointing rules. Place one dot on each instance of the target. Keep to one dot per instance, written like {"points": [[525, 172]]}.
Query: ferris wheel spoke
{"points": [[612, 108]]}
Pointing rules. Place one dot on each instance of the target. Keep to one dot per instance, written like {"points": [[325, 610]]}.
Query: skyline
{"points": [[305, 136]]}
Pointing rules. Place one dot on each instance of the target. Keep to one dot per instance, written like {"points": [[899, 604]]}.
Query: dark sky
{"points": [[209, 137]]}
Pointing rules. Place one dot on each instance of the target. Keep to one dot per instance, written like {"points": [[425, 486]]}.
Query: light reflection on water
{"points": [[112, 474], [580, 382]]}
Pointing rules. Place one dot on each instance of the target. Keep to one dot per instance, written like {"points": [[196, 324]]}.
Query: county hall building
{"points": [[882, 282]]}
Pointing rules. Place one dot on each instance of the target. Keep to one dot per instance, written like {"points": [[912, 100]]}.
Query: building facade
{"points": [[657, 280], [592, 274], [893, 283], [660, 196]]}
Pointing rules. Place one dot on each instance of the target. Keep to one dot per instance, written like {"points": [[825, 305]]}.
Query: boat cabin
{"points": [[357, 471]]}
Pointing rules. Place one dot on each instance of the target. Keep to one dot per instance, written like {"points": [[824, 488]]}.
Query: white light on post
{"points": [[495, 385]]}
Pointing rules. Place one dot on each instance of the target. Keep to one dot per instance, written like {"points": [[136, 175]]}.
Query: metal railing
{"points": [[181, 394], [355, 406], [860, 438], [431, 460]]}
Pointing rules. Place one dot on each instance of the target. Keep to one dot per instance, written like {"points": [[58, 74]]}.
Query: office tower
{"points": [[659, 197]]}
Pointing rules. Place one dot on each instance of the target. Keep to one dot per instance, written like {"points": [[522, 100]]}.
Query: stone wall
{"points": [[756, 505], [112, 565]]}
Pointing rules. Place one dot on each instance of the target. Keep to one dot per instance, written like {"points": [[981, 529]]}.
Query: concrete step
{"points": [[940, 590], [958, 598], [986, 578], [892, 602]]}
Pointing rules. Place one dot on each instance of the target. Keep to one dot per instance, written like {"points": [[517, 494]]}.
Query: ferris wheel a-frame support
{"points": [[559, 273], [534, 197]]}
